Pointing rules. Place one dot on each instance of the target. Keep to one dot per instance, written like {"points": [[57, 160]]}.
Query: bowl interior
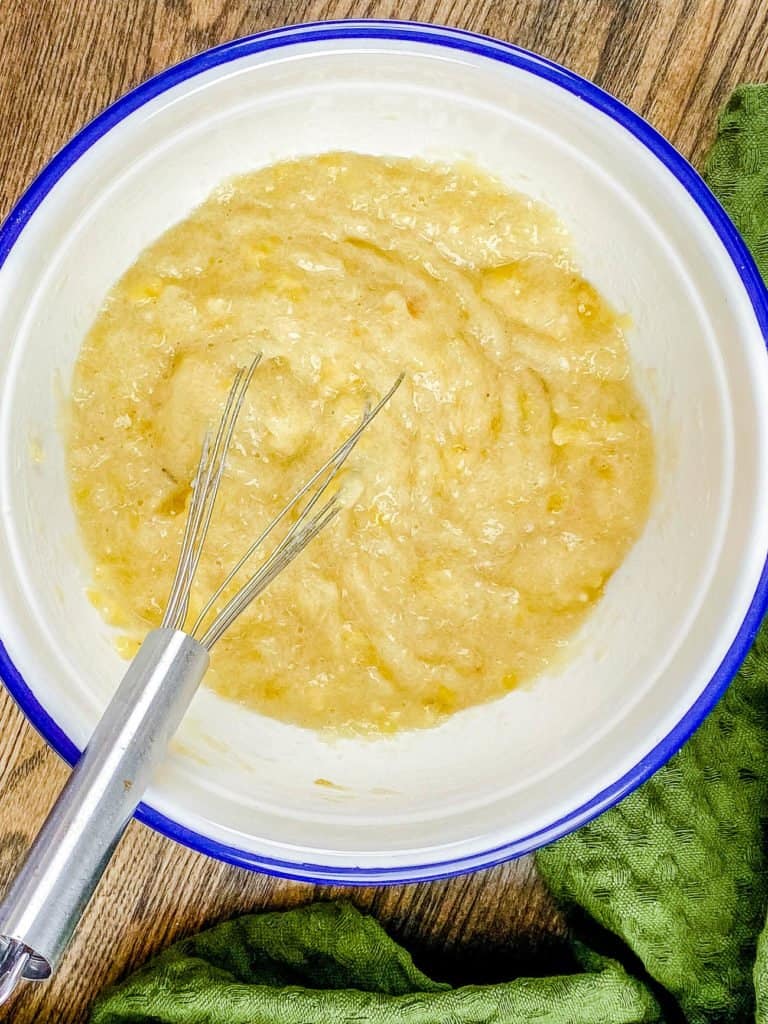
{"points": [[496, 773]]}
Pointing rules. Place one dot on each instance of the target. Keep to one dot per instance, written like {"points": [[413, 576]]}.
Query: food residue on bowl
{"points": [[500, 490]]}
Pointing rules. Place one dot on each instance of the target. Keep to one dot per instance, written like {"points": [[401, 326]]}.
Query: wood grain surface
{"points": [[61, 62]]}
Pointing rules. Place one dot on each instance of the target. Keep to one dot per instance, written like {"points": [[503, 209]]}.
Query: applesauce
{"points": [[498, 492]]}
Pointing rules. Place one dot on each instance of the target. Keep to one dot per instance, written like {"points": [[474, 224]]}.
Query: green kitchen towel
{"points": [[673, 879]]}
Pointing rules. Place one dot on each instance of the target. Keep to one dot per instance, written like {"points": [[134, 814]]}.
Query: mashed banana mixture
{"points": [[499, 490]]}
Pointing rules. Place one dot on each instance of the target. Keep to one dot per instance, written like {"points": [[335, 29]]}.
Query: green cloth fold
{"points": [[676, 873], [328, 963]]}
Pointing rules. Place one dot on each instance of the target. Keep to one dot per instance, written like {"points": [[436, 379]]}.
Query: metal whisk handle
{"points": [[69, 855]]}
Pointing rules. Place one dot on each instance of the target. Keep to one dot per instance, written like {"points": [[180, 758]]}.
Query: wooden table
{"points": [[61, 62]]}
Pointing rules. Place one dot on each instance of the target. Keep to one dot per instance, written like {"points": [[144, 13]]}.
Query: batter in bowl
{"points": [[498, 492]]}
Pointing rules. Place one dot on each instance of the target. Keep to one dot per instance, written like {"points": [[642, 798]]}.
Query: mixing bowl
{"points": [[676, 619]]}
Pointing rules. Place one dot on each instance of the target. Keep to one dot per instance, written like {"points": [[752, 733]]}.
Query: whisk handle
{"points": [[51, 890]]}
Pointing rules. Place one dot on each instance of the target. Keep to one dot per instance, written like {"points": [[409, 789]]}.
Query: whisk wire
{"points": [[281, 557], [170, 618], [336, 460], [219, 460], [205, 489], [201, 492], [332, 467]]}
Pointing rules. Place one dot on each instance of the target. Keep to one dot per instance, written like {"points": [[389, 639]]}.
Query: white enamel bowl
{"points": [[676, 619]]}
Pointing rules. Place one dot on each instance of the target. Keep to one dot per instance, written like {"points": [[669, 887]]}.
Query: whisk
{"points": [[51, 890]]}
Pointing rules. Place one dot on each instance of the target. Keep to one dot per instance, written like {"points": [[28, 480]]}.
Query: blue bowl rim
{"points": [[506, 53]]}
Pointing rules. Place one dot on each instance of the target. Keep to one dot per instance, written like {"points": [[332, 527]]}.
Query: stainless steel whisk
{"points": [[52, 888]]}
